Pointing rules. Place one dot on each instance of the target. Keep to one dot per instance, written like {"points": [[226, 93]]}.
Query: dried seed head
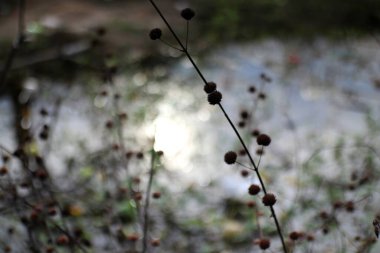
{"points": [[254, 189], [244, 173], [209, 87], [138, 196], [49, 249], [5, 158], [123, 116], [310, 237], [241, 124], [323, 215], [294, 236], [156, 195], [350, 206], [264, 243], [244, 114], [129, 154], [7, 249], [262, 95], [252, 89], [52, 211], [41, 174], [155, 34], [263, 140], [3, 171], [255, 132], [338, 204], [155, 242], [44, 112], [242, 152], [133, 237], [260, 151], [62, 240], [251, 204], [140, 155], [269, 199], [187, 13], [230, 157], [214, 97]]}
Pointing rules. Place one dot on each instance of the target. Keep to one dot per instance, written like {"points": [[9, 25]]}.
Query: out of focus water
{"points": [[321, 91]]}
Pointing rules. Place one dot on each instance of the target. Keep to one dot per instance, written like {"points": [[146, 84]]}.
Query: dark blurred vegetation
{"points": [[245, 20]]}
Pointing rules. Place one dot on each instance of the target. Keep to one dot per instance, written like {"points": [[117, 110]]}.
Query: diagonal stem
{"points": [[228, 119], [147, 202]]}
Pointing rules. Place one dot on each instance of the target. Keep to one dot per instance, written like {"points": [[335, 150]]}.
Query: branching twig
{"points": [[228, 119]]}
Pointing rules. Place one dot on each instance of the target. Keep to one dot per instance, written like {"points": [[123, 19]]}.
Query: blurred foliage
{"points": [[243, 20]]}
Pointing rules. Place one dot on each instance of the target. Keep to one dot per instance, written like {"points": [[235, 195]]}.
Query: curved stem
{"points": [[228, 119]]}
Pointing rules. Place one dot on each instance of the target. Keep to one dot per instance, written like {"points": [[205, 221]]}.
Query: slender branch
{"points": [[147, 202], [169, 45], [228, 119]]}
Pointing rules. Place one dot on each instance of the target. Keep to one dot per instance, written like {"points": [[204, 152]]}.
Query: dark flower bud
{"points": [[244, 173], [252, 89], [263, 140], [214, 98], [155, 34], [262, 95], [269, 199], [294, 236], [187, 13], [244, 114], [209, 87], [255, 132], [254, 189], [264, 243], [230, 157]]}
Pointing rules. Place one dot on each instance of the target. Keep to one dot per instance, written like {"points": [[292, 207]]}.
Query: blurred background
{"points": [[90, 94]]}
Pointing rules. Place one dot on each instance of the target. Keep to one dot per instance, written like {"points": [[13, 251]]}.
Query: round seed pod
{"points": [[244, 114], [244, 173], [209, 87], [269, 199], [155, 242], [230, 157], [252, 89], [62, 240], [155, 34], [187, 13], [255, 132], [264, 243], [214, 98], [294, 236], [251, 204], [262, 96], [263, 140], [156, 195], [254, 189]]}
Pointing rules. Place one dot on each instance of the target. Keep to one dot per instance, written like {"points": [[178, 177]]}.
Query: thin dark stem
{"points": [[229, 121], [19, 40], [169, 45], [245, 166], [147, 202], [187, 33]]}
